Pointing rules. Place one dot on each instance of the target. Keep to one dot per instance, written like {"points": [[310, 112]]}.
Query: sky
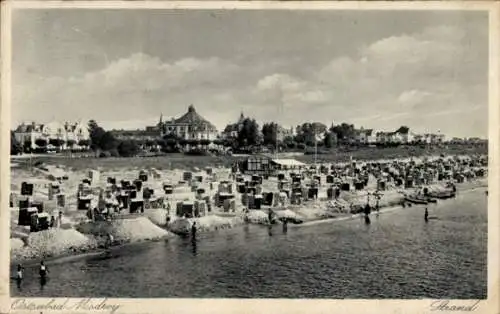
{"points": [[427, 70]]}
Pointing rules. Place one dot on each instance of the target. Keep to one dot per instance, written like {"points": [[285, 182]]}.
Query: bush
{"points": [[128, 148], [41, 142], [15, 146], [84, 142], [301, 146], [40, 150], [105, 154]]}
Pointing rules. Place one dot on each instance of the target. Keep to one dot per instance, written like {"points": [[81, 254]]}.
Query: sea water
{"points": [[398, 255]]}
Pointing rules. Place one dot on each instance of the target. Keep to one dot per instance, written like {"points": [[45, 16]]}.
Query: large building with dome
{"points": [[190, 126]]}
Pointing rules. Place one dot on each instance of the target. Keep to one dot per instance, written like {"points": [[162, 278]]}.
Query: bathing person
{"points": [[59, 222], [193, 230], [285, 225], [110, 240], [43, 274], [426, 215], [19, 275], [270, 216]]}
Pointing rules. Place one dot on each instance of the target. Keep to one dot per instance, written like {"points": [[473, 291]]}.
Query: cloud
{"points": [[405, 79]]}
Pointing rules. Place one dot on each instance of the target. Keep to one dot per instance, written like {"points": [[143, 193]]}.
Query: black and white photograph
{"points": [[232, 153]]}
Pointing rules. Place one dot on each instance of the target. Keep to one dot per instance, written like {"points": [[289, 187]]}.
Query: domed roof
{"points": [[193, 118]]}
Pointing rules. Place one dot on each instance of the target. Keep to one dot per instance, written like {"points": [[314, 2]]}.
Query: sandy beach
{"points": [[76, 235]]}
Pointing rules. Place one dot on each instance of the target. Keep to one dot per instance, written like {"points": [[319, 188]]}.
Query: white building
{"points": [[53, 135], [364, 136], [190, 126]]}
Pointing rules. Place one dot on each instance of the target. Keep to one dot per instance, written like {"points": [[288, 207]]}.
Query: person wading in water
{"points": [[426, 215], [193, 231], [109, 240], [43, 273], [19, 275]]}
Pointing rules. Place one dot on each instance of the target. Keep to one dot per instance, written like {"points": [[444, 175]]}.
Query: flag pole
{"points": [[315, 146]]}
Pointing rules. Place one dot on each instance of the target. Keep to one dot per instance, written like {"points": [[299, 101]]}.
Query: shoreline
{"points": [[383, 210], [83, 253], [99, 251]]}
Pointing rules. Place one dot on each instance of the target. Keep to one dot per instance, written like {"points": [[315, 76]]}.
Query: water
{"points": [[397, 256]]}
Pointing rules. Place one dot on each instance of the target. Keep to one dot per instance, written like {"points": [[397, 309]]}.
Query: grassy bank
{"points": [[180, 161], [342, 154]]}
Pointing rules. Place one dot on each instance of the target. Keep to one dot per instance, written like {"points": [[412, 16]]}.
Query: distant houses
{"points": [[53, 136], [365, 136], [231, 130], [192, 128]]}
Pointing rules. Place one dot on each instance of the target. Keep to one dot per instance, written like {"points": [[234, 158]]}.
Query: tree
{"points": [[41, 142], [56, 142], [128, 148], [101, 139], [249, 133], [289, 142], [270, 133], [27, 146], [403, 129], [15, 146], [307, 132], [328, 140], [345, 132], [83, 142]]}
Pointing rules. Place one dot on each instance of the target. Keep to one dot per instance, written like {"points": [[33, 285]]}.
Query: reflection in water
{"points": [[246, 231], [43, 282], [270, 230], [367, 220]]}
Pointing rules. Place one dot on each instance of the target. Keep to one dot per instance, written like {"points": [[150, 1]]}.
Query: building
{"points": [[400, 136], [53, 135], [364, 136], [263, 164], [418, 138], [283, 133], [190, 126], [232, 130]]}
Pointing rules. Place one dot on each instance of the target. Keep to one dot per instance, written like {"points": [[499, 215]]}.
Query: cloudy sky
{"points": [[377, 69]]}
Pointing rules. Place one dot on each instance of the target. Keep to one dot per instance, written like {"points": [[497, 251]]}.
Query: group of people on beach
{"points": [[42, 271]]}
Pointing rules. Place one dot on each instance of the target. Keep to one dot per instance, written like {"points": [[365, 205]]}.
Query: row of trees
{"points": [[105, 143], [306, 135]]}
